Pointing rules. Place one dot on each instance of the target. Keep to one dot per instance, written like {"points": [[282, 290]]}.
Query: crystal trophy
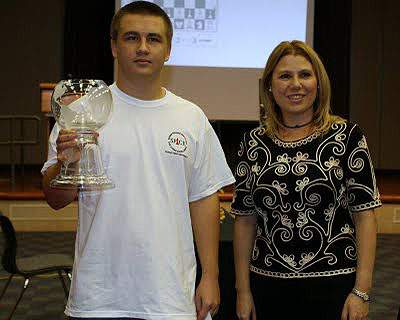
{"points": [[82, 106]]}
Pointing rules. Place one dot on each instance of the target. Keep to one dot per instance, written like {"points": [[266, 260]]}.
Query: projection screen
{"points": [[220, 47]]}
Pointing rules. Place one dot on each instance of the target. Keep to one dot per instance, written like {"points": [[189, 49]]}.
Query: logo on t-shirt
{"points": [[178, 143]]}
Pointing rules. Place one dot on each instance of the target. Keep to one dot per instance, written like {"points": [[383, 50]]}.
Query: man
{"points": [[134, 255]]}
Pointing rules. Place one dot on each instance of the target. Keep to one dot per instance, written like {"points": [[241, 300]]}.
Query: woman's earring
{"points": [[270, 89]]}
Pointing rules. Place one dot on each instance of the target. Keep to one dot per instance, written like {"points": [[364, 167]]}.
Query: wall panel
{"points": [[389, 86]]}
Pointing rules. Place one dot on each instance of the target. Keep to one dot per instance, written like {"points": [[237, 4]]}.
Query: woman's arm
{"points": [[366, 226], [365, 222]]}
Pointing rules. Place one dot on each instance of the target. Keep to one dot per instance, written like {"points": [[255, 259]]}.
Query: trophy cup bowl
{"points": [[82, 106]]}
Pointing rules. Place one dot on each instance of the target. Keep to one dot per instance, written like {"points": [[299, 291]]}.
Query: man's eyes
{"points": [[136, 38], [131, 37], [154, 39]]}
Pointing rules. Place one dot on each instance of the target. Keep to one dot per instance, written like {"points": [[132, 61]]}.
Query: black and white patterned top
{"points": [[305, 193]]}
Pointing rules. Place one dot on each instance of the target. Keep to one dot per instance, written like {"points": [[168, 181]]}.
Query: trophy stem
{"points": [[86, 173]]}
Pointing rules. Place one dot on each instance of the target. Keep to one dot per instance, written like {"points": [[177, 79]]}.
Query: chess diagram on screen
{"points": [[194, 21]]}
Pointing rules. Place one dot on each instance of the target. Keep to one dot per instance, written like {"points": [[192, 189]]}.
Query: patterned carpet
{"points": [[45, 299]]}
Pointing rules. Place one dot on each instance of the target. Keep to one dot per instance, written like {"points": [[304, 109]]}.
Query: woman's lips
{"points": [[296, 97]]}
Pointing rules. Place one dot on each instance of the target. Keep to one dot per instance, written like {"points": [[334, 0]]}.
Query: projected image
{"points": [[231, 33], [194, 21]]}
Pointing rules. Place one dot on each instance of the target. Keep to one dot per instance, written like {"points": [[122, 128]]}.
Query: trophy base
{"points": [[83, 183]]}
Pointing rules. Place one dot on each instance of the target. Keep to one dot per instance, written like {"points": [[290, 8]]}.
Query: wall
{"points": [[388, 218], [36, 215], [374, 73], [32, 50]]}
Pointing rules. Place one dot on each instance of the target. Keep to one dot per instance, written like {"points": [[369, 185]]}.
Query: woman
{"points": [[305, 193]]}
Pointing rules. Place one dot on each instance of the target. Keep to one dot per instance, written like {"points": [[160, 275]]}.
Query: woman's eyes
{"points": [[305, 74], [302, 75], [284, 76]]}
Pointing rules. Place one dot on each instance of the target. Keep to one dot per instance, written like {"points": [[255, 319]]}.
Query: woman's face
{"points": [[294, 86]]}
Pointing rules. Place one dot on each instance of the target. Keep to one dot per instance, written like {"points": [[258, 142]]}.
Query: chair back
{"points": [[8, 259]]}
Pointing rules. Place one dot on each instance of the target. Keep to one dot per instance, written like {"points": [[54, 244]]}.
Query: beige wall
{"points": [[222, 93], [388, 218], [36, 215]]}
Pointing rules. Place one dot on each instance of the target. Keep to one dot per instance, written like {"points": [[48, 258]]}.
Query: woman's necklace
{"points": [[292, 135], [297, 126]]}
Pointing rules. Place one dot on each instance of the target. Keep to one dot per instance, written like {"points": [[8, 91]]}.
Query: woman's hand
{"points": [[355, 308]]}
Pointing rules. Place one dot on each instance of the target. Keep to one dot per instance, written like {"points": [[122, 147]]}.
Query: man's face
{"points": [[141, 47]]}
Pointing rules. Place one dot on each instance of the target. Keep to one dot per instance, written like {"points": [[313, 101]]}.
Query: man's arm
{"points": [[56, 198], [206, 228], [244, 234], [365, 222], [59, 198]]}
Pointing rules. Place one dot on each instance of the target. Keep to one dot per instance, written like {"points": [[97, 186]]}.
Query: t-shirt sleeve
{"points": [[52, 151], [211, 171], [242, 203], [362, 191]]}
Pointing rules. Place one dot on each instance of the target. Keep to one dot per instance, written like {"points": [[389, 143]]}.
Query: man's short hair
{"points": [[142, 8]]}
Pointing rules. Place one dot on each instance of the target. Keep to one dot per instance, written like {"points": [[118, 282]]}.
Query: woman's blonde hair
{"points": [[270, 112]]}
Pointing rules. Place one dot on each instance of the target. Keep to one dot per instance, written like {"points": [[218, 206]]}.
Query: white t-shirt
{"points": [[134, 253]]}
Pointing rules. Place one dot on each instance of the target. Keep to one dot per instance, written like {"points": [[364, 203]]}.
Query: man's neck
{"points": [[143, 89]]}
